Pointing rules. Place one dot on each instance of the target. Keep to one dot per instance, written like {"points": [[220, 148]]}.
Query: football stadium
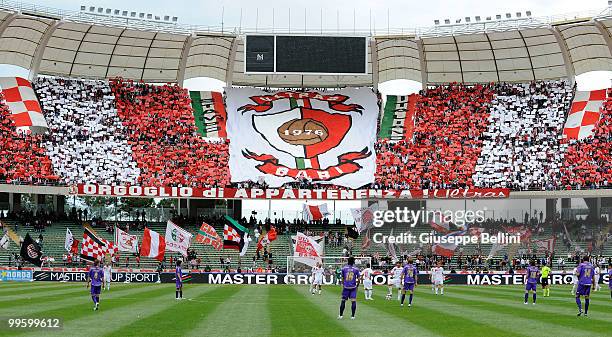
{"points": [[366, 168]]}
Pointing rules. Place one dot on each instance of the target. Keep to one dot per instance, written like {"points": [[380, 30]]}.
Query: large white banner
{"points": [[306, 249], [177, 239], [125, 242], [286, 136]]}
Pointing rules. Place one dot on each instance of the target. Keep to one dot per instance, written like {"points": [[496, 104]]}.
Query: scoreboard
{"points": [[286, 54]]}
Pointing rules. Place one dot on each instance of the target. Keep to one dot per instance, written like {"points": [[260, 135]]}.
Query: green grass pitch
{"points": [[233, 310]]}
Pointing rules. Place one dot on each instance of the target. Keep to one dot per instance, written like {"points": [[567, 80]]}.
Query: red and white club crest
{"points": [[304, 133]]}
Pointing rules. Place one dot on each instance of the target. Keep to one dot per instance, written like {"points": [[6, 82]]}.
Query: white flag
{"points": [[69, 240], [364, 217], [4, 242], [314, 212], [306, 249], [177, 239], [125, 242], [246, 239]]}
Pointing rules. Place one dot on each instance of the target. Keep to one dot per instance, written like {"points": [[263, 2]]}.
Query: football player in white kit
{"points": [[596, 274], [108, 271], [366, 278], [437, 278], [317, 278], [574, 281], [395, 279]]}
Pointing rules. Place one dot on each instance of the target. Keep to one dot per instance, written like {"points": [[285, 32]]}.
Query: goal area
{"points": [[303, 265]]}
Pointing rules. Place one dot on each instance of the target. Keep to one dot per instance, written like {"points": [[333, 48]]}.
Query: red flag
{"points": [[74, 249], [365, 245], [314, 212], [22, 102], [266, 239], [153, 245]]}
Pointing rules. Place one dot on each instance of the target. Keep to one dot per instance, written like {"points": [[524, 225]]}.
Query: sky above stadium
{"points": [[379, 17], [401, 13]]}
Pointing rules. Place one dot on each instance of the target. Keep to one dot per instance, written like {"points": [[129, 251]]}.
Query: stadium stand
{"points": [[495, 135], [447, 141], [164, 140], [588, 162], [86, 140], [522, 147], [582, 237]]}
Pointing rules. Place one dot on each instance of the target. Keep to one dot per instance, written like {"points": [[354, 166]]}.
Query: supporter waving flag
{"points": [[153, 245], [207, 235], [95, 248], [5, 241], [126, 242], [265, 240], [235, 236], [177, 238], [71, 244], [447, 249], [30, 251], [314, 212]]}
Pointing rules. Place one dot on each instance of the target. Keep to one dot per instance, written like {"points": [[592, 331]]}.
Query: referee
{"points": [[545, 280]]}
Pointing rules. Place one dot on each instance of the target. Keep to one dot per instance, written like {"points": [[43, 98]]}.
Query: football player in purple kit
{"points": [[533, 275], [409, 275], [610, 278], [350, 282], [585, 281], [94, 277], [178, 274]]}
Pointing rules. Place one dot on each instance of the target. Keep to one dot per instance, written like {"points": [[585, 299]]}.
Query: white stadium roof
{"points": [[55, 42]]}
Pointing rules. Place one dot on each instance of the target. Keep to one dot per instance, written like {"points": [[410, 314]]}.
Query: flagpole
{"points": [[270, 209], [334, 219]]}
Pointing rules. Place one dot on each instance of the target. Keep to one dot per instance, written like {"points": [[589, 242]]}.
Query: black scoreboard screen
{"points": [[305, 54]]}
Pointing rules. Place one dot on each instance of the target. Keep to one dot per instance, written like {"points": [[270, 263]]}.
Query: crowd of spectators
{"points": [[162, 133], [22, 157], [484, 135], [449, 122], [522, 146], [85, 141], [588, 162]]}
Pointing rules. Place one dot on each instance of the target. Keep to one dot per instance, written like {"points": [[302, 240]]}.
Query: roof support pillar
{"points": [[231, 60], [40, 49], [569, 66], [606, 34], [422, 63], [180, 76], [374, 61]]}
